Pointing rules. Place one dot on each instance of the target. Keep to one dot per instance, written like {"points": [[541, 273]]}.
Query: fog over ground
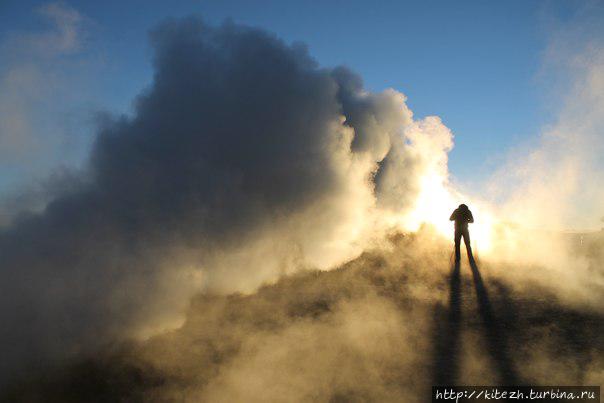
{"points": [[253, 232], [383, 327]]}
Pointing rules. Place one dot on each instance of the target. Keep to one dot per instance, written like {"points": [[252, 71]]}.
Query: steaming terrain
{"points": [[383, 327], [262, 228]]}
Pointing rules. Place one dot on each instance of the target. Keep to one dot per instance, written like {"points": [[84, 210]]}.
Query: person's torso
{"points": [[462, 217]]}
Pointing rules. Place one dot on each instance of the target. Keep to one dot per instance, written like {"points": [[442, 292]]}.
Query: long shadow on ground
{"points": [[449, 322], [448, 333], [496, 335]]}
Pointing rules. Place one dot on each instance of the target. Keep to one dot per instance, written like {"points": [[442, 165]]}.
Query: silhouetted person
{"points": [[462, 217]]}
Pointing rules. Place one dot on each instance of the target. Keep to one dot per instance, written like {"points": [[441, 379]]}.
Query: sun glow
{"points": [[436, 202]]}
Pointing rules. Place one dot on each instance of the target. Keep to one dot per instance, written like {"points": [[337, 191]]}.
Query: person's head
{"points": [[463, 207]]}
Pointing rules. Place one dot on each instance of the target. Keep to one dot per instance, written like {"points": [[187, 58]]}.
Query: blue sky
{"points": [[476, 64]]}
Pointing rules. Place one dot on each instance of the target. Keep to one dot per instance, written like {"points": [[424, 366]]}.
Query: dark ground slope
{"points": [[383, 327]]}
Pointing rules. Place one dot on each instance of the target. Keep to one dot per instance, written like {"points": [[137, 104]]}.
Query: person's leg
{"points": [[457, 242], [466, 239]]}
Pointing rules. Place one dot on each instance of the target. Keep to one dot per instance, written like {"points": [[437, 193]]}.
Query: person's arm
{"points": [[452, 218], [470, 217]]}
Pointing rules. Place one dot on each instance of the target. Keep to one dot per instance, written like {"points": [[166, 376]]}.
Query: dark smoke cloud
{"points": [[243, 159]]}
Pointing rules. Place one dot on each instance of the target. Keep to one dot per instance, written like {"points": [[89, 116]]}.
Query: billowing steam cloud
{"points": [[200, 223], [244, 160]]}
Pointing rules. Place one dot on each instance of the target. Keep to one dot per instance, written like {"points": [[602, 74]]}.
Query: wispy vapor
{"points": [[28, 78], [551, 193], [45, 98]]}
